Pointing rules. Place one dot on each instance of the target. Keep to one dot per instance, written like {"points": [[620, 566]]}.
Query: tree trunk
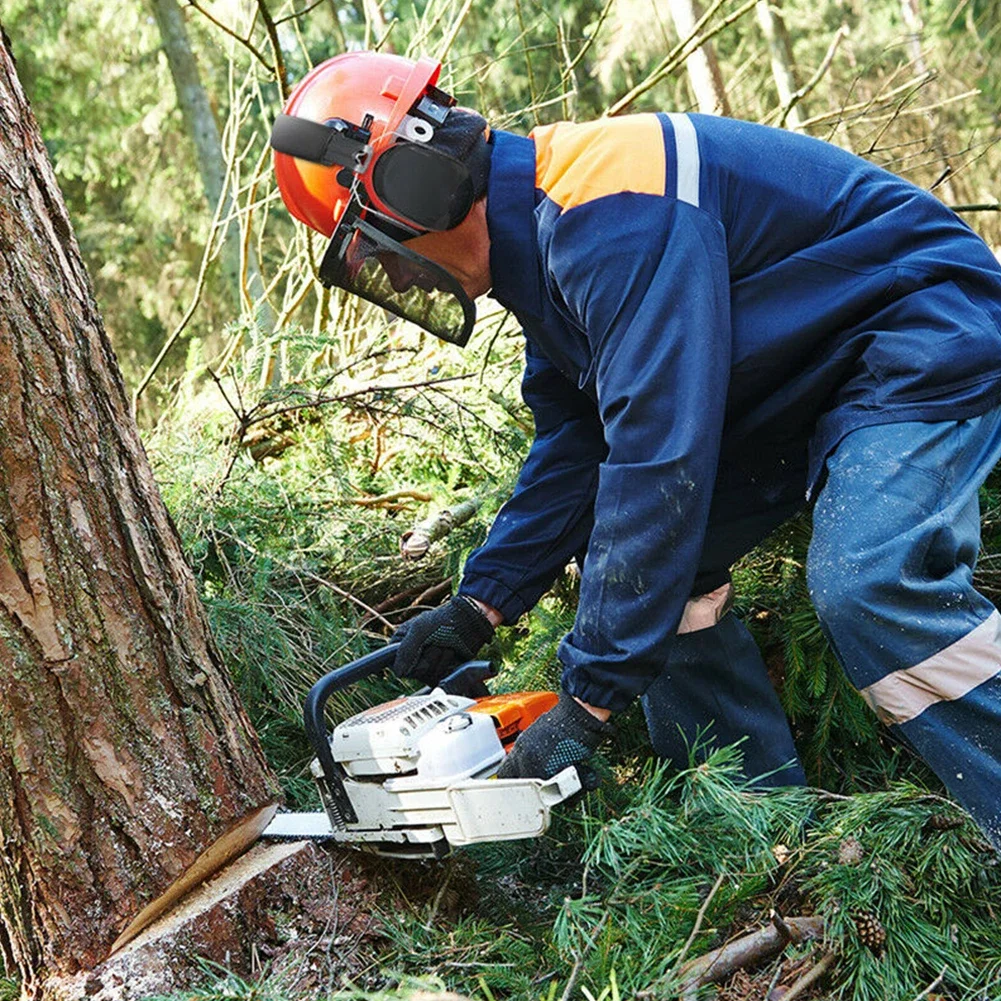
{"points": [[911, 13], [201, 126], [703, 69], [769, 13], [124, 752]]}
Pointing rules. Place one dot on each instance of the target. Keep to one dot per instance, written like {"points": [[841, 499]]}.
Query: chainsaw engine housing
{"points": [[418, 774]]}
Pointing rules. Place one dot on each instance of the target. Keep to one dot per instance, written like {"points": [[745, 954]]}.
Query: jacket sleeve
{"points": [[651, 289], [547, 519]]}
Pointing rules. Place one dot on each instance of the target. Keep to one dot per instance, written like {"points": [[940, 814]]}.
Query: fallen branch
{"points": [[788, 934], [415, 543], [580, 957], [433, 594], [727, 959], [699, 918], [408, 596], [811, 976], [933, 984]]}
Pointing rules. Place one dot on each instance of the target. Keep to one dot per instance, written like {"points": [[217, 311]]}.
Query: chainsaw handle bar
{"points": [[475, 672]]}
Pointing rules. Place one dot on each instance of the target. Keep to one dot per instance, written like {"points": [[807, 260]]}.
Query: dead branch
{"points": [[699, 918], [933, 984], [207, 255], [433, 594], [309, 575], [386, 499], [225, 29], [824, 66], [727, 959], [298, 13], [842, 113], [415, 543], [680, 53], [281, 73], [811, 976], [788, 934], [401, 598]]}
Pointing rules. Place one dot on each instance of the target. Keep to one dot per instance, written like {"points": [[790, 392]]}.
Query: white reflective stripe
{"points": [[686, 147], [943, 677], [704, 611]]}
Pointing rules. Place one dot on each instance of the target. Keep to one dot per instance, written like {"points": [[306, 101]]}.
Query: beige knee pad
{"points": [[705, 610]]}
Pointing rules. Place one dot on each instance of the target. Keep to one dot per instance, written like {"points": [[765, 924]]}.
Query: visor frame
{"points": [[333, 269]]}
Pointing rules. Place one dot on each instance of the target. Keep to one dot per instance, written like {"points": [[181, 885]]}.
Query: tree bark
{"points": [[702, 66], [124, 751], [201, 127]]}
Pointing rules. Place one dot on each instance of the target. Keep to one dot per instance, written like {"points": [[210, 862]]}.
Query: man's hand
{"points": [[434, 643], [566, 735]]}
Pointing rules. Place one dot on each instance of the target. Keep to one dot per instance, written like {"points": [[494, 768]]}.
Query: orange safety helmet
{"points": [[354, 160]]}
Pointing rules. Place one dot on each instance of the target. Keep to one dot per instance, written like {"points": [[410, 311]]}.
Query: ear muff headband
{"points": [[432, 190]]}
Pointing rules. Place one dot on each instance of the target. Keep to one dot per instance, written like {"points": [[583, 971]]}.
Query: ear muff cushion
{"points": [[431, 189]]}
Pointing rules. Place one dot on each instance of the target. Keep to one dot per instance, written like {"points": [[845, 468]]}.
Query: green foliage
{"points": [[272, 491], [674, 843], [841, 743]]}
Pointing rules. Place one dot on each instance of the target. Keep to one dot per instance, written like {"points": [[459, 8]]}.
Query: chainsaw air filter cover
{"points": [[385, 740]]}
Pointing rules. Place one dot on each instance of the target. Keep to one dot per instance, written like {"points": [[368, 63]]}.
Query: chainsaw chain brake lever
{"points": [[469, 677]]}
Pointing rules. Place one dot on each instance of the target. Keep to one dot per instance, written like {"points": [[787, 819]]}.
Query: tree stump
{"points": [[304, 910]]}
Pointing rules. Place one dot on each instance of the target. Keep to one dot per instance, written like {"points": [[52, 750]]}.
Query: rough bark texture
{"points": [[124, 751], [702, 66]]}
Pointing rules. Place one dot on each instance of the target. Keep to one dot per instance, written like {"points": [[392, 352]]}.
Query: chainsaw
{"points": [[414, 777]]}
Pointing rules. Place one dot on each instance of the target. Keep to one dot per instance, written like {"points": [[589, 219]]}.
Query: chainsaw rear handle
{"points": [[473, 673]]}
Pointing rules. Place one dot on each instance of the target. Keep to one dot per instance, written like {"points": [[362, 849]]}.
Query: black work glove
{"points": [[566, 735], [435, 643]]}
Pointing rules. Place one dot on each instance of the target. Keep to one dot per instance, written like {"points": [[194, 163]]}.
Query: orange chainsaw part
{"points": [[514, 711]]}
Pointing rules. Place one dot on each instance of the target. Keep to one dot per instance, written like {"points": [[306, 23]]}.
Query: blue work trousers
{"points": [[896, 532]]}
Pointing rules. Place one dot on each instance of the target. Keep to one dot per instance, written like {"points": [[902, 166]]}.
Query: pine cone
{"points": [[850, 851], [943, 822], [870, 931]]}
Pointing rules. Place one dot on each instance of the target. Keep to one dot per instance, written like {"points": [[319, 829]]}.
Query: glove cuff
{"points": [[574, 711], [472, 620]]}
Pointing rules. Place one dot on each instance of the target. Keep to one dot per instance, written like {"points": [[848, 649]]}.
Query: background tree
{"points": [[702, 65], [124, 751]]}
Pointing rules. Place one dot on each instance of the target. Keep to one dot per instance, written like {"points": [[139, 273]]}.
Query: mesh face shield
{"points": [[367, 262]]}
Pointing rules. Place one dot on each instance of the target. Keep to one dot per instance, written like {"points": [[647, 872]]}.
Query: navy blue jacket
{"points": [[696, 292]]}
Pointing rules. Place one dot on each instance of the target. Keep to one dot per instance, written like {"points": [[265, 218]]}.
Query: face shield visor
{"points": [[367, 262]]}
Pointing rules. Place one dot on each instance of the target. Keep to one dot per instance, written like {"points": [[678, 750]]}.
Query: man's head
{"points": [[372, 154]]}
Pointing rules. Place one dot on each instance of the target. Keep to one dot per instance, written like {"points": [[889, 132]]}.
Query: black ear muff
{"points": [[428, 188]]}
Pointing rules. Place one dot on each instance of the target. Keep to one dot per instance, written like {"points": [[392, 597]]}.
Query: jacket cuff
{"points": [[492, 592], [576, 681]]}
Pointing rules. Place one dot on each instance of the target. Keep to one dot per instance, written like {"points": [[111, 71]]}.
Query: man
{"points": [[723, 321]]}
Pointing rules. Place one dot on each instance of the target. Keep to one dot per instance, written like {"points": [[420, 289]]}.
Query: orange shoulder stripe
{"points": [[575, 164]]}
